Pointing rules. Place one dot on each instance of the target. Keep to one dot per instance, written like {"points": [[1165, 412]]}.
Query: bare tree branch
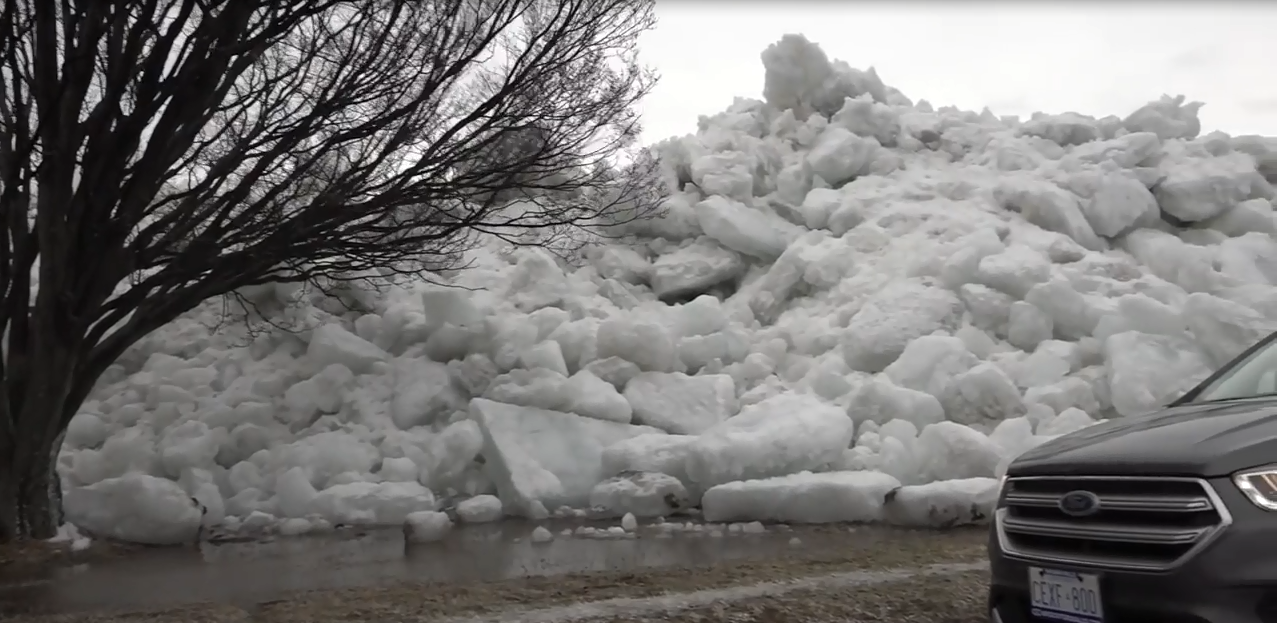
{"points": [[156, 153]]}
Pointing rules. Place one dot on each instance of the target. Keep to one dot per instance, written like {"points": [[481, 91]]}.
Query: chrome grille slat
{"points": [[1100, 532], [1147, 524], [1167, 504]]}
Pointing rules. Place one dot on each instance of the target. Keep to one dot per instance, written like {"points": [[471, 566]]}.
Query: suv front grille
{"points": [[1142, 523]]}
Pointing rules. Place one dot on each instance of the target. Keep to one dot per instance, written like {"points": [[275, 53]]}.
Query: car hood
{"points": [[1214, 439]]}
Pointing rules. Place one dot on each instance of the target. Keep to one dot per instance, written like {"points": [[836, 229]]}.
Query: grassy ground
{"points": [[940, 599]]}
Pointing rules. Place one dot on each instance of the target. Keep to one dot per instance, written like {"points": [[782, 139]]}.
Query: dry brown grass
{"points": [[957, 598]]}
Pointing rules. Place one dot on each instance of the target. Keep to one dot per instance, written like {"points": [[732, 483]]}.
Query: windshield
{"points": [[1252, 376]]}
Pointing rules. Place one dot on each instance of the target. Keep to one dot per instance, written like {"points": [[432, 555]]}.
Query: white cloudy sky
{"points": [[1095, 58]]}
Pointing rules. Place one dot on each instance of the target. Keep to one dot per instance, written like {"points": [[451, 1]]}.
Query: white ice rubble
{"points": [[856, 308]]}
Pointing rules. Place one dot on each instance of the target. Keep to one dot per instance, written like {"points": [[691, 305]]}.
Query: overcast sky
{"points": [[1096, 58]]}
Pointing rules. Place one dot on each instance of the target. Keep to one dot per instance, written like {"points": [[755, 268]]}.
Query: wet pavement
{"points": [[245, 574]]}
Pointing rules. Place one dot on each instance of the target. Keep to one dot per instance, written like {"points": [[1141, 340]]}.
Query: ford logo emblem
{"points": [[1079, 503]]}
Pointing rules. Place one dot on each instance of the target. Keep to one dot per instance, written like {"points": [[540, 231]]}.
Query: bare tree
{"points": [[156, 153]]}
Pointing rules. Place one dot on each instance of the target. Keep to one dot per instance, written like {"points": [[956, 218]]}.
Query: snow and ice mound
{"points": [[373, 503], [70, 535], [781, 435], [943, 504], [541, 535], [480, 509], [802, 498], [846, 283], [640, 494], [541, 459], [138, 508], [426, 527]]}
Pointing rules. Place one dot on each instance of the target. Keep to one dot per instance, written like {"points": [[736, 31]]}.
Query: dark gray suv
{"points": [[1164, 518]]}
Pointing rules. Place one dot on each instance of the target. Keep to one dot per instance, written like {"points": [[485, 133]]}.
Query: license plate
{"points": [[1065, 596]]}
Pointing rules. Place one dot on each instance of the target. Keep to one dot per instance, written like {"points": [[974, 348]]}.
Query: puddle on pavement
{"points": [[244, 574]]}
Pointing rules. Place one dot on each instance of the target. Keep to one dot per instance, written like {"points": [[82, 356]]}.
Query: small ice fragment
{"points": [[426, 526], [294, 526]]}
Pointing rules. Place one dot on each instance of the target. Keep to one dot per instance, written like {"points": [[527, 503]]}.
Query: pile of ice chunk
{"points": [[855, 308]]}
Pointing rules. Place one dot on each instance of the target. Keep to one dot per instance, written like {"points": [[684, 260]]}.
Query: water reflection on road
{"points": [[244, 574]]}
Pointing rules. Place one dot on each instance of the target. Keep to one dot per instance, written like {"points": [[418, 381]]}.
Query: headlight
{"points": [[1260, 485]]}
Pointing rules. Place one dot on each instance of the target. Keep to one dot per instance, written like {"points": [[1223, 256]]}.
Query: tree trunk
{"points": [[30, 489], [30, 492]]}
